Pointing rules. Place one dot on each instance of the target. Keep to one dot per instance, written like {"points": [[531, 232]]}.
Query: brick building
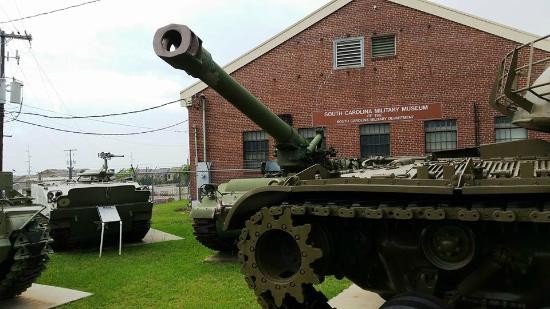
{"points": [[382, 77]]}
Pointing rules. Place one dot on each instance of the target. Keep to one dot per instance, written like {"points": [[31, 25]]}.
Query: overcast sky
{"points": [[98, 59]]}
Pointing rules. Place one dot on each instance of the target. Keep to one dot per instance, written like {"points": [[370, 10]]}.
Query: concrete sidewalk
{"points": [[40, 296], [356, 298]]}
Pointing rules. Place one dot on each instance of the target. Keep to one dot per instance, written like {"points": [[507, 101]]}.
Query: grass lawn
{"points": [[169, 274]]}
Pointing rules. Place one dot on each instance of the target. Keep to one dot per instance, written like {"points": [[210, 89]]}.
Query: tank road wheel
{"points": [[206, 233], [448, 247], [26, 260], [414, 301], [277, 260]]}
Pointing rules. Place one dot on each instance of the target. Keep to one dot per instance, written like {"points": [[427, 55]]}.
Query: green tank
{"points": [[458, 229], [72, 207], [24, 240], [215, 201]]}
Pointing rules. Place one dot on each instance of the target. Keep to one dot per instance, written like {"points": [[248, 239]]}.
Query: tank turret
{"points": [[182, 49]]}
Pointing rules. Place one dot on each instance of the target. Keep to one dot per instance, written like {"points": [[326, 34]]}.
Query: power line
{"points": [[104, 115], [49, 12], [69, 116], [97, 133]]}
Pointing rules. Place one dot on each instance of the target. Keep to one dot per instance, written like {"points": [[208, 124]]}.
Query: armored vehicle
{"points": [[24, 240], [464, 229], [72, 206], [215, 201]]}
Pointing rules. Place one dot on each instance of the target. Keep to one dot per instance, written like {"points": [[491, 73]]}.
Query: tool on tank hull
{"points": [[72, 207], [454, 231], [24, 240]]}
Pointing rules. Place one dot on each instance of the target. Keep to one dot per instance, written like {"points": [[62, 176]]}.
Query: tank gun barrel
{"points": [[182, 49]]}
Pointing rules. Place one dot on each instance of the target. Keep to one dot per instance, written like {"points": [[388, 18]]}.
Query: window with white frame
{"points": [[440, 135], [375, 140], [506, 131], [309, 134], [255, 149]]}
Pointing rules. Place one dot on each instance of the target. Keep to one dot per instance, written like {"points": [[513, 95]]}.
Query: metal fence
{"points": [[165, 186]]}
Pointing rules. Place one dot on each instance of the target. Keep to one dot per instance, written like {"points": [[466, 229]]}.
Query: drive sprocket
{"points": [[276, 256]]}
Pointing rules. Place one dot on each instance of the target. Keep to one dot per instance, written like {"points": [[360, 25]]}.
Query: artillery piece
{"points": [[293, 152], [473, 229]]}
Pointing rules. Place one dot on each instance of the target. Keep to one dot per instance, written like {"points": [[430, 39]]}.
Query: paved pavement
{"points": [[356, 298], [154, 236], [40, 296]]}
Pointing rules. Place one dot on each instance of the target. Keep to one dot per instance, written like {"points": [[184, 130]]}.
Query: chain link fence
{"points": [[166, 186]]}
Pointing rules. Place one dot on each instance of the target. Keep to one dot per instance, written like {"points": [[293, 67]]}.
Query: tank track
{"points": [[443, 212], [27, 258], [206, 233]]}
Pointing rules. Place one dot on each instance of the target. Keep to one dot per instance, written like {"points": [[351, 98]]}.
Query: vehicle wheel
{"points": [[277, 258], [414, 301], [206, 233]]}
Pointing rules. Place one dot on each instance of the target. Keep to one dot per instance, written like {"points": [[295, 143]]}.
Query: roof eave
{"points": [[425, 6]]}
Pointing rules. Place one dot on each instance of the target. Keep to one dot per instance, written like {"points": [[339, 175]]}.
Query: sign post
{"points": [[109, 214]]}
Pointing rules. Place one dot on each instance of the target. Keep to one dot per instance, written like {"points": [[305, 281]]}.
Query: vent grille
{"points": [[348, 53], [383, 46]]}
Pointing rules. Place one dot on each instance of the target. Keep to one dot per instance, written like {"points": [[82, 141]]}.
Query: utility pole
{"points": [[71, 162], [3, 37], [28, 164]]}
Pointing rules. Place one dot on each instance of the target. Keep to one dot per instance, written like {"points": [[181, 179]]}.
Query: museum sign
{"points": [[378, 114]]}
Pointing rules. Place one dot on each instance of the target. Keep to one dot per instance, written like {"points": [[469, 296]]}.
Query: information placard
{"points": [[108, 214]]}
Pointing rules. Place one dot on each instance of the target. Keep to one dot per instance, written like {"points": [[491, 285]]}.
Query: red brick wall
{"points": [[437, 61]]}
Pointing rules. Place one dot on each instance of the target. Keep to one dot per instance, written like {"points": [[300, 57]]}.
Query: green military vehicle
{"points": [[72, 207], [215, 201], [24, 240], [464, 229]]}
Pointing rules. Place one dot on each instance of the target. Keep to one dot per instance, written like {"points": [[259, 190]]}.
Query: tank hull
{"points": [[75, 222], [468, 231], [209, 214]]}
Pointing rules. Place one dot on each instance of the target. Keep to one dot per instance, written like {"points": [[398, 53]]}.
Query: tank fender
{"points": [[252, 201], [198, 212]]}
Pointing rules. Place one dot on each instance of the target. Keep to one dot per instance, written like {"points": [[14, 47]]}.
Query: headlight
{"points": [[63, 202]]}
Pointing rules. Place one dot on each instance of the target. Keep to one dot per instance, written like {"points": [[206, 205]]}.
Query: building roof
{"points": [[426, 6]]}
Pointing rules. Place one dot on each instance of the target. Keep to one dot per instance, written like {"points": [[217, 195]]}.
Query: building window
{"points": [[309, 134], [375, 140], [506, 131], [286, 118], [255, 149], [382, 46], [440, 135], [348, 53]]}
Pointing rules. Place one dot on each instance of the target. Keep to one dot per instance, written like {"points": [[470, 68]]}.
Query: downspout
{"points": [[476, 125], [196, 161], [203, 105]]}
